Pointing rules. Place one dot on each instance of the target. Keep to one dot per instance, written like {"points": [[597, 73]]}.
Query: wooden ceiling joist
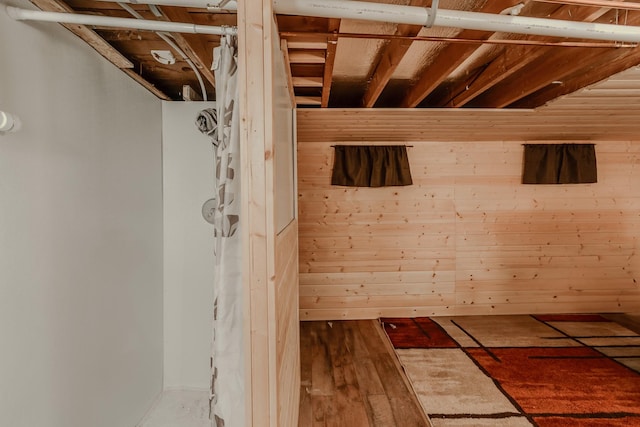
{"points": [[284, 48], [308, 44], [330, 59], [306, 56], [540, 74], [85, 33], [191, 44], [307, 81], [389, 58], [451, 57], [146, 84], [308, 100], [100, 45], [581, 79], [513, 60]]}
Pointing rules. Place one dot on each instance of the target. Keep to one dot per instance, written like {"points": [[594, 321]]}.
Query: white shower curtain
{"points": [[227, 361]]}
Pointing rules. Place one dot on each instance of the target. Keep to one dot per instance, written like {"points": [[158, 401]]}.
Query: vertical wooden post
{"points": [[255, 29]]}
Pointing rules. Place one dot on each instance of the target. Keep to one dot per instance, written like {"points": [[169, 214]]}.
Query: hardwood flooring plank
{"points": [[370, 382], [348, 399], [404, 410], [370, 329], [305, 417], [350, 377], [321, 370], [306, 408], [305, 362], [411, 404], [350, 407], [324, 412], [381, 412]]}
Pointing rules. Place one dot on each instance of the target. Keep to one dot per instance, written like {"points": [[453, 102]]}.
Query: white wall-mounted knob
{"points": [[9, 122]]}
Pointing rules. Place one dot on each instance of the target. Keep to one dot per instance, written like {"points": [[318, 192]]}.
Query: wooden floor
{"points": [[351, 377]]}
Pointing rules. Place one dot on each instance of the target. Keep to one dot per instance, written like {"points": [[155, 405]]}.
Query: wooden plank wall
{"points": [[287, 326], [256, 110], [467, 237], [287, 345], [270, 276]]}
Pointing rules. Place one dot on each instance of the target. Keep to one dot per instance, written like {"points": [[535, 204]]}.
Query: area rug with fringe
{"points": [[542, 370]]}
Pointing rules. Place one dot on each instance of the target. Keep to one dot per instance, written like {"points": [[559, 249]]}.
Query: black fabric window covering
{"points": [[371, 166], [559, 164]]}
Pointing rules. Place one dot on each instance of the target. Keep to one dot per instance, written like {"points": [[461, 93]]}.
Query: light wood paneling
{"points": [[287, 325], [256, 138], [467, 237], [271, 322], [399, 125]]}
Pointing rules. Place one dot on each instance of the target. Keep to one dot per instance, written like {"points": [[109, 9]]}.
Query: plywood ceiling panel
{"points": [[354, 57]]}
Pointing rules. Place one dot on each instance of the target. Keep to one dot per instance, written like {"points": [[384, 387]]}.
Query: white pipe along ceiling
{"points": [[399, 14], [457, 19], [106, 21]]}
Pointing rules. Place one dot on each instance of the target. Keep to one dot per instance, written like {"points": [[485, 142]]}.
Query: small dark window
{"points": [[371, 166], [559, 164]]}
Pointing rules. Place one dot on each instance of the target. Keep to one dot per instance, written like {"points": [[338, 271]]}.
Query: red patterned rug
{"points": [[548, 371]]}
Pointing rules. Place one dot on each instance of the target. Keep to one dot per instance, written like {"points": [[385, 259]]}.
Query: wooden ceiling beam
{"points": [[555, 66], [307, 44], [300, 81], [287, 69], [99, 44], [513, 60], [580, 79], [308, 100], [451, 57], [387, 63], [297, 56], [85, 33], [330, 59], [146, 84], [191, 44], [389, 58]]}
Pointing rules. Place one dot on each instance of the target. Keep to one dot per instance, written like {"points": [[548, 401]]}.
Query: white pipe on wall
{"points": [[105, 21], [399, 14]]}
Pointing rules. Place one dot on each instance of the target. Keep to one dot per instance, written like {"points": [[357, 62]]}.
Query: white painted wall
{"points": [[188, 176], [80, 235]]}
